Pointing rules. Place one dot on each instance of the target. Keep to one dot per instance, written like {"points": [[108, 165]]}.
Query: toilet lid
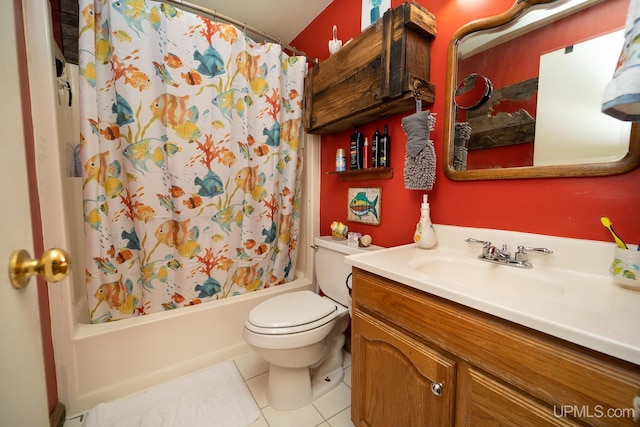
{"points": [[292, 309]]}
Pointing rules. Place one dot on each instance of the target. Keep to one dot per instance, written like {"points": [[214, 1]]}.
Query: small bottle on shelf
{"points": [[366, 154], [341, 160], [384, 149], [355, 150], [375, 144]]}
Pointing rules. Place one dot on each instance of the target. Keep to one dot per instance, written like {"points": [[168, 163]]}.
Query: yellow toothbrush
{"points": [[607, 223]]}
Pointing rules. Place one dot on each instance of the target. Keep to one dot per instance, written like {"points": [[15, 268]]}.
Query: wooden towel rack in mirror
{"points": [[520, 131]]}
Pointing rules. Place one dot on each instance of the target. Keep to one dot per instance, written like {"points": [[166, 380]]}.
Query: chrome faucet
{"points": [[502, 256]]}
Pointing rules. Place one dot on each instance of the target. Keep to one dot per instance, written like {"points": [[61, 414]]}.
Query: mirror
{"points": [[539, 91], [473, 91]]}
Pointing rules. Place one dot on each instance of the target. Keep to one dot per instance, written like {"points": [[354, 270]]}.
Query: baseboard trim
{"points": [[57, 417]]}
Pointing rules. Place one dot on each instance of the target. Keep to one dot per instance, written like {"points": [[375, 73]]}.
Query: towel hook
{"points": [[417, 95]]}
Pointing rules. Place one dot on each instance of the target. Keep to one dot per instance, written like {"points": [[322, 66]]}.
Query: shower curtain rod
{"points": [[217, 15]]}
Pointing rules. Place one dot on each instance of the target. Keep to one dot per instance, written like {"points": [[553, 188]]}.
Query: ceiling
{"points": [[281, 19]]}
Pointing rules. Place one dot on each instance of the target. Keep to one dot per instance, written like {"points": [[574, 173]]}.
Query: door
{"points": [[397, 380], [23, 396]]}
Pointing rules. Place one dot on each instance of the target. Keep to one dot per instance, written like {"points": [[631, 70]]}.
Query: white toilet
{"points": [[301, 334]]}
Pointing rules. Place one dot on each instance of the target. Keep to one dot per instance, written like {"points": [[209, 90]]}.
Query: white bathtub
{"points": [[102, 362]]}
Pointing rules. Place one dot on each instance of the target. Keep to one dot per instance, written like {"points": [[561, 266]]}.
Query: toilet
{"points": [[301, 334]]}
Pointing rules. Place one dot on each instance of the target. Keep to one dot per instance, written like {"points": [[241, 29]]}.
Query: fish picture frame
{"points": [[363, 205]]}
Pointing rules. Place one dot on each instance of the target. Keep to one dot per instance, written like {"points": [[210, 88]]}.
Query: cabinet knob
{"points": [[436, 388]]}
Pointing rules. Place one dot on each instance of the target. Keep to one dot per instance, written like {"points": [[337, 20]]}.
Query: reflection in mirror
{"points": [[548, 62], [473, 91]]}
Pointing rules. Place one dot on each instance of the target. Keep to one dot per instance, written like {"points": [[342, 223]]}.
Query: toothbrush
{"points": [[607, 223]]}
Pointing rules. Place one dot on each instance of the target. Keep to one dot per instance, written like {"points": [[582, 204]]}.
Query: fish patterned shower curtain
{"points": [[192, 158]]}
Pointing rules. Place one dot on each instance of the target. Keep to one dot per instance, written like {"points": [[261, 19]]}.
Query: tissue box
{"points": [[353, 239]]}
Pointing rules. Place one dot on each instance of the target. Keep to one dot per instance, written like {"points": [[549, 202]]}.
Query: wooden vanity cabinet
{"points": [[420, 360], [396, 376]]}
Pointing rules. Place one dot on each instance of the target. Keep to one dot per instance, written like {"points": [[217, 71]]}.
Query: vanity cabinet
{"points": [[420, 360], [401, 382]]}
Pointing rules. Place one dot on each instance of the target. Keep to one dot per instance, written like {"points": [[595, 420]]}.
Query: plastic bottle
{"points": [[375, 144], [384, 149], [355, 151], [341, 160], [366, 154], [425, 235]]}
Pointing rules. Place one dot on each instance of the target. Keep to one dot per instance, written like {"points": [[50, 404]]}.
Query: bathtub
{"points": [[102, 362]]}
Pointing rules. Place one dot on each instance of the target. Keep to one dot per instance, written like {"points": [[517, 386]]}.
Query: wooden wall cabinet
{"points": [[374, 75], [419, 360]]}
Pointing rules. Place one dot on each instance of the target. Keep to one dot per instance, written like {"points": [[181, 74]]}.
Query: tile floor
{"points": [[331, 410]]}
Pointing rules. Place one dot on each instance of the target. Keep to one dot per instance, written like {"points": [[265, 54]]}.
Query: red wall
{"points": [[568, 207]]}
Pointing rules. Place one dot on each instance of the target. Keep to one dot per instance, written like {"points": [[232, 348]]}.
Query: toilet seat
{"points": [[291, 313]]}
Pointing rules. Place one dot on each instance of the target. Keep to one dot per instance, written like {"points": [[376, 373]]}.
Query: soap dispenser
{"points": [[425, 235]]}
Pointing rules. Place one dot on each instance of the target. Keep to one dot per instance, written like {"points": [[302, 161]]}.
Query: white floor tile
{"points": [[346, 359], [330, 410], [74, 422], [260, 423], [334, 402], [347, 376], [258, 388], [307, 416], [343, 419], [251, 365]]}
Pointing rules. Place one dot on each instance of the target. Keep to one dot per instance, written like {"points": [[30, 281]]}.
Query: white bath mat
{"points": [[216, 396]]}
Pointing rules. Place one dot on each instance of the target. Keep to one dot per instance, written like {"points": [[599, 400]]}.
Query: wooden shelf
{"points": [[375, 75], [363, 174]]}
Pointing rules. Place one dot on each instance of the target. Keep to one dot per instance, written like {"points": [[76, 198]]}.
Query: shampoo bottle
{"points": [[355, 151], [375, 144], [384, 149], [425, 235]]}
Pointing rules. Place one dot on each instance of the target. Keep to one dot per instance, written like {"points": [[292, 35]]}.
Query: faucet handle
{"points": [[504, 252], [543, 251], [485, 243], [521, 255], [487, 249]]}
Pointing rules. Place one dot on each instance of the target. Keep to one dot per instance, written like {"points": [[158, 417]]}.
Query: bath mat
{"points": [[216, 396]]}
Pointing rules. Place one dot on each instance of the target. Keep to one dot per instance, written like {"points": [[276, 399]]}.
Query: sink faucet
{"points": [[498, 254], [494, 255]]}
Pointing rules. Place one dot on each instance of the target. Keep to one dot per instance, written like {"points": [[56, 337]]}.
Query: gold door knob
{"points": [[53, 266]]}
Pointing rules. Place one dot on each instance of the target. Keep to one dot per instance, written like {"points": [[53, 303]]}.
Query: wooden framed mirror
{"points": [[522, 130]]}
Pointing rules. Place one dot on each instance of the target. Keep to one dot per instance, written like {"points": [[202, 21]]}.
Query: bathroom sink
{"points": [[494, 279], [568, 294]]}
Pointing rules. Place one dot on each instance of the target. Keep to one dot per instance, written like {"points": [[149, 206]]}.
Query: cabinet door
{"points": [[483, 401], [398, 380]]}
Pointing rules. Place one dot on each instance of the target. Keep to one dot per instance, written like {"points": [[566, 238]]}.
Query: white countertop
{"points": [[579, 301]]}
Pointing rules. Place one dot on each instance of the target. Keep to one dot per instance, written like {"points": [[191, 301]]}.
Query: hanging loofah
{"points": [[460, 140], [420, 160]]}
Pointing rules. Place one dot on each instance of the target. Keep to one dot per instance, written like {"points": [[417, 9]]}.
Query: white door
{"points": [[23, 396]]}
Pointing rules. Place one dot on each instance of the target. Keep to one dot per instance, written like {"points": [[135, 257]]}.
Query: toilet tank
{"points": [[330, 269]]}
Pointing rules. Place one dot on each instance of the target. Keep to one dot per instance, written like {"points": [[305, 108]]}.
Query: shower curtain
{"points": [[192, 158]]}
